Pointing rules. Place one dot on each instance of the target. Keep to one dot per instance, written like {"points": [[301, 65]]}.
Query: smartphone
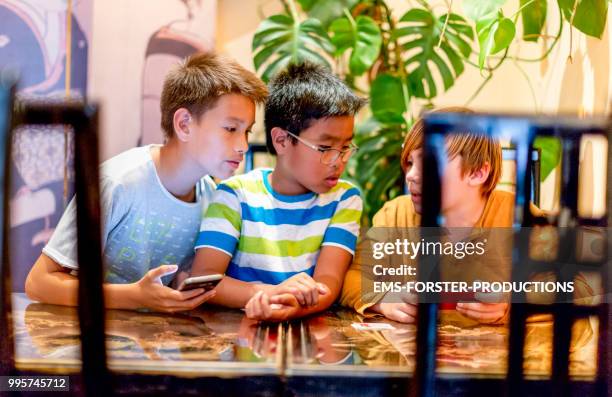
{"points": [[207, 282]]}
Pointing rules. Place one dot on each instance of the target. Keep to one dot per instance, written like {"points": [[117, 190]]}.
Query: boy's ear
{"points": [[280, 140], [479, 176], [181, 122]]}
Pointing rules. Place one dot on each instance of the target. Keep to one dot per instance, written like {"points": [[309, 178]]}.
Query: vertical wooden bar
{"points": [[604, 358], [7, 346], [91, 295], [604, 333], [518, 312], [424, 379], [84, 121], [536, 161], [569, 173], [562, 311], [516, 346]]}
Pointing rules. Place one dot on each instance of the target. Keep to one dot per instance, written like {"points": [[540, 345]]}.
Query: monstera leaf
{"points": [[551, 154], [281, 40], [387, 99], [376, 166], [361, 35], [419, 31], [326, 11]]}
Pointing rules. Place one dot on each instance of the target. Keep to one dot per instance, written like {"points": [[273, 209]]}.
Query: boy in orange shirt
{"points": [[468, 200]]}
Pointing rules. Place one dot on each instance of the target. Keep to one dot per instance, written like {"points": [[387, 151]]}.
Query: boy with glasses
{"points": [[285, 237]]}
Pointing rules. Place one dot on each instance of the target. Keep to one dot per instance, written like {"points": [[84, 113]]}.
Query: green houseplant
{"points": [[411, 58]]}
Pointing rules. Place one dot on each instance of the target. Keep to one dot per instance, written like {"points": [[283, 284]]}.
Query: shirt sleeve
{"points": [[62, 247], [360, 278], [343, 227], [220, 228], [208, 188]]}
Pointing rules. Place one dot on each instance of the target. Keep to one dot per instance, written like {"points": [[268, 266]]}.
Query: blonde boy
{"points": [[152, 197], [468, 200]]}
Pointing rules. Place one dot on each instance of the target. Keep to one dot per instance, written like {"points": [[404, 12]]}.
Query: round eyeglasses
{"points": [[328, 155]]}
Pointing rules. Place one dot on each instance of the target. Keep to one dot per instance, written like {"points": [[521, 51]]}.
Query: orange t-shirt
{"points": [[400, 213]]}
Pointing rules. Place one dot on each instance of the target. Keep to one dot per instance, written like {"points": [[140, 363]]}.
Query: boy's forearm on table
{"points": [[236, 293], [57, 288], [324, 303], [60, 288], [122, 296]]}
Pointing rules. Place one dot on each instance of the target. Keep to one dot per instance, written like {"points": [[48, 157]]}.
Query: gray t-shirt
{"points": [[143, 225]]}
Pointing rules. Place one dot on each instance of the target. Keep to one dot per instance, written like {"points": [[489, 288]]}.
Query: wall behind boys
{"points": [[47, 42], [135, 42]]}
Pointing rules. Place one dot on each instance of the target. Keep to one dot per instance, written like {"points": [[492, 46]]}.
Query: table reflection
{"points": [[213, 338], [464, 347], [222, 341]]}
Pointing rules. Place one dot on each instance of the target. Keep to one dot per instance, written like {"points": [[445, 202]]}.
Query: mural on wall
{"points": [[50, 43], [166, 46], [47, 41]]}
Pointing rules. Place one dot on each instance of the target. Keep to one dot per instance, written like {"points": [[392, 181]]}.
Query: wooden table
{"points": [[307, 357]]}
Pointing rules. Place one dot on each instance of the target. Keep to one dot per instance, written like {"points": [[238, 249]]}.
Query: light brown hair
{"points": [[198, 82], [475, 150]]}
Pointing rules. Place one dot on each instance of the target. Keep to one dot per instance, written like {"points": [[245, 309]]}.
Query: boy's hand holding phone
{"points": [[150, 292], [305, 289]]}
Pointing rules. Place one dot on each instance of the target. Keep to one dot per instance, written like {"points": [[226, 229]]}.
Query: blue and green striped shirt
{"points": [[272, 237]]}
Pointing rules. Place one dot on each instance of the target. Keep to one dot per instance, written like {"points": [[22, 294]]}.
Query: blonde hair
{"points": [[198, 82], [475, 150]]}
